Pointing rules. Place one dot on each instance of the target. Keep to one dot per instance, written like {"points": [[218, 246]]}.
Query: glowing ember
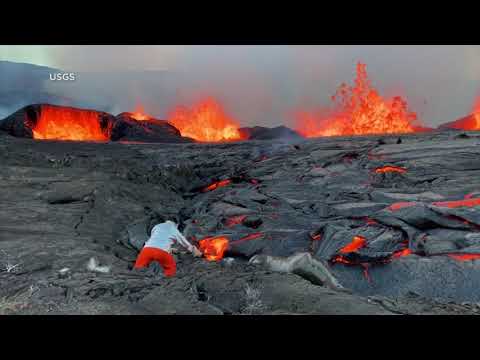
{"points": [[206, 121], [317, 237], [401, 205], [464, 257], [401, 253], [235, 220], [370, 221], [216, 185], [386, 169], [357, 243], [139, 114], [213, 247], [459, 203], [60, 123], [359, 110]]}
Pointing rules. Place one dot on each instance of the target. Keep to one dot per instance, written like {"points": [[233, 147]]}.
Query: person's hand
{"points": [[196, 252]]}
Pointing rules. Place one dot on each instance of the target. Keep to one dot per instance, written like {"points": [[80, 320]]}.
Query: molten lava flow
{"points": [[60, 123], [216, 185], [357, 243], [359, 110], [139, 114], [386, 169], [235, 220], [458, 203], [206, 121], [213, 247], [401, 253], [401, 205], [464, 257]]}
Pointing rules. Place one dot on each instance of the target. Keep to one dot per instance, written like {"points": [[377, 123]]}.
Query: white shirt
{"points": [[161, 235]]}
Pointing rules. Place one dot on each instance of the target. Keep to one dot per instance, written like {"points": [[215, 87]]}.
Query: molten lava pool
{"points": [[359, 110], [60, 123], [213, 248], [206, 121]]}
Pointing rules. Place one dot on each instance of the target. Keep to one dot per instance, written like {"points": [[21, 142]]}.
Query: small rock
{"points": [[63, 273], [228, 261]]}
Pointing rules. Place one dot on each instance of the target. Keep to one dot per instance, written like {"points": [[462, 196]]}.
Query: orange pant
{"points": [[149, 254]]}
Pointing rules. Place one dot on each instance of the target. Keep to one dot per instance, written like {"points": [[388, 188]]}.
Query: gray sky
{"points": [[264, 84]]}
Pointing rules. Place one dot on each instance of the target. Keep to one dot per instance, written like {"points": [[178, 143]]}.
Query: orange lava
{"points": [[357, 243], [213, 248], [359, 110], [139, 114], [385, 169], [404, 252], [235, 220], [62, 123], [464, 257], [476, 113], [458, 203], [401, 205], [206, 121], [216, 185]]}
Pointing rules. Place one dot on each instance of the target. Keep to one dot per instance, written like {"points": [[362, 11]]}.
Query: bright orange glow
{"points": [[476, 113], [216, 185], [464, 257], [139, 113], [404, 252], [206, 121], [359, 110], [401, 205], [213, 248], [357, 243], [62, 123], [385, 169], [458, 203]]}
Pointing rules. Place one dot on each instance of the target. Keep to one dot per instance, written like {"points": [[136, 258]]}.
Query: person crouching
{"points": [[159, 247]]}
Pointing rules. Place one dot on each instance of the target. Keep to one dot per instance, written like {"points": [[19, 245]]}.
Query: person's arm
{"points": [[185, 243]]}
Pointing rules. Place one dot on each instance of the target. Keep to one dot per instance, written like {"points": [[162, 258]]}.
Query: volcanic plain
{"points": [[388, 218]]}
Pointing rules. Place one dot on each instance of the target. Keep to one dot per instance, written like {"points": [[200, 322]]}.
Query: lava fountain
{"points": [[62, 123], [359, 110], [206, 121], [139, 114]]}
